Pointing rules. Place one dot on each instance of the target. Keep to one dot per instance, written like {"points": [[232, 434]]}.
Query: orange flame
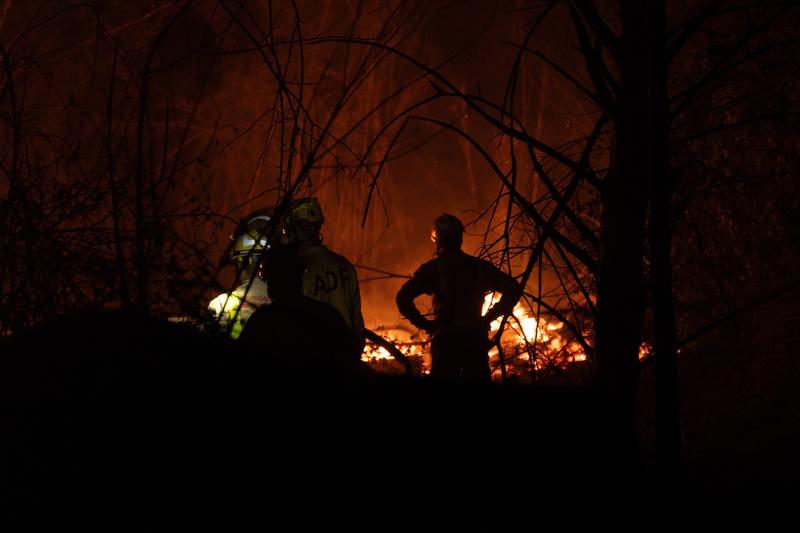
{"points": [[524, 336]]}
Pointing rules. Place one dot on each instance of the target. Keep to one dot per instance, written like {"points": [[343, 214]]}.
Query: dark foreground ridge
{"points": [[110, 405]]}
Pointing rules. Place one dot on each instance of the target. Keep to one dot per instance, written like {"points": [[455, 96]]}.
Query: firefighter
{"points": [[296, 333], [233, 309], [329, 277], [459, 283]]}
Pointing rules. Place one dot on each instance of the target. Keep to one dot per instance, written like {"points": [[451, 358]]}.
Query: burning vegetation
{"points": [[524, 348], [640, 208], [528, 347]]}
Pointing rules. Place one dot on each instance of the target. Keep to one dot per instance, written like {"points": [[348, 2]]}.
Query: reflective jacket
{"points": [[225, 306], [331, 278]]}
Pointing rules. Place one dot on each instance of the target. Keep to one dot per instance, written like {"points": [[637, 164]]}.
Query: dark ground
{"points": [[112, 411], [740, 402]]}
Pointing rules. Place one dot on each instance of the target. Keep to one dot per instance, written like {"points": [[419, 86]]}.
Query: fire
{"points": [[529, 344], [413, 346], [527, 336], [375, 353], [405, 341], [644, 351]]}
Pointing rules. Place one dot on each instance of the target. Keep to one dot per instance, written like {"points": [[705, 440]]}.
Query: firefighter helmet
{"points": [[303, 221], [308, 209], [251, 235], [447, 231]]}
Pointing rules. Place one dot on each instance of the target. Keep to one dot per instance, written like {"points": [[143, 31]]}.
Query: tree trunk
{"points": [[661, 187], [620, 281]]}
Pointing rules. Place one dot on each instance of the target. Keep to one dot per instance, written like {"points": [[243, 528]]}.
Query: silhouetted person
{"points": [[329, 277], [251, 292], [459, 284], [295, 332]]}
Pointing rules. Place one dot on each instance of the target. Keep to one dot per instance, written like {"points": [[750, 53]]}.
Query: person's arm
{"points": [[510, 291], [412, 288]]}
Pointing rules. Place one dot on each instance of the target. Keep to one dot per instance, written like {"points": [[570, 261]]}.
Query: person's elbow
{"points": [[403, 299]]}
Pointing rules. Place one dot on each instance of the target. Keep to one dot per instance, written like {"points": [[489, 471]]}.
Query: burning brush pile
{"points": [[533, 345]]}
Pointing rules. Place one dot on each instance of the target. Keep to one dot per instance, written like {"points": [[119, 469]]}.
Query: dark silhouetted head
{"points": [[448, 232], [303, 223], [283, 268]]}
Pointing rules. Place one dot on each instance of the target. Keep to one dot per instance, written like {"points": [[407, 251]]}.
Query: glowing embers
{"points": [[526, 337], [644, 351], [415, 346], [554, 346], [546, 349], [411, 345]]}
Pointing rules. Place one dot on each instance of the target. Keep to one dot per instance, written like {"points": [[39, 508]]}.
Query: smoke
{"points": [[209, 110]]}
